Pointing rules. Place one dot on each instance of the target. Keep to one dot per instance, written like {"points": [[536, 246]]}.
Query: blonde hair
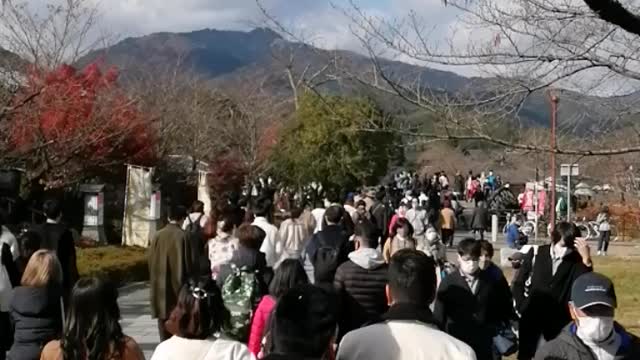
{"points": [[42, 269]]}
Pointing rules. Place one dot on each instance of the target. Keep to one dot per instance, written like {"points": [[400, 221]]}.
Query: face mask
{"points": [[559, 249], [469, 267], [594, 329]]}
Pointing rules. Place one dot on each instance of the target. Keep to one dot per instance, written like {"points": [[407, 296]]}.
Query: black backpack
{"points": [[325, 261]]}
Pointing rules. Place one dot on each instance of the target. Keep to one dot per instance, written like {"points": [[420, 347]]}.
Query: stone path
{"points": [[136, 319]]}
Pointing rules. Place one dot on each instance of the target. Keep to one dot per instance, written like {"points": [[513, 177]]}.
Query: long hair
{"points": [[200, 311], [43, 269], [288, 275], [92, 329]]}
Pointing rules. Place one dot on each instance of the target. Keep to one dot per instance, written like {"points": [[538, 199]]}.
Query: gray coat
{"points": [[480, 218], [567, 346]]}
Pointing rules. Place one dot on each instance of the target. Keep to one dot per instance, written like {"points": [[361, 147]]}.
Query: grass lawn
{"points": [[625, 274]]}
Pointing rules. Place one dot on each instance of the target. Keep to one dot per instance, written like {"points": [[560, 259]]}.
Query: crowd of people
{"points": [[367, 277]]}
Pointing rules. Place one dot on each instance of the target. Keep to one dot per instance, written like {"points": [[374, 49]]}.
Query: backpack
{"points": [[240, 292], [325, 261]]}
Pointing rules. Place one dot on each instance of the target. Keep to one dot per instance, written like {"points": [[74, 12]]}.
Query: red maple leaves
{"points": [[81, 121]]}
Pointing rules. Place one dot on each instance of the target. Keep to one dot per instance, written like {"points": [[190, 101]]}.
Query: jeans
{"points": [[603, 242]]}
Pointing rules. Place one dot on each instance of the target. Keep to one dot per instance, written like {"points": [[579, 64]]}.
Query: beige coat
{"points": [[166, 268]]}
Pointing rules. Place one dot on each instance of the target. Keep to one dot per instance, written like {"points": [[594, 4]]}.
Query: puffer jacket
{"points": [[259, 323], [360, 286], [36, 315], [567, 346]]}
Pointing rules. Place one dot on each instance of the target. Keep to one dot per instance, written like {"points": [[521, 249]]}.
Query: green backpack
{"points": [[240, 292]]}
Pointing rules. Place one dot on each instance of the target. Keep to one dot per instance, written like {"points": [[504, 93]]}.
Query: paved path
{"points": [[136, 319]]}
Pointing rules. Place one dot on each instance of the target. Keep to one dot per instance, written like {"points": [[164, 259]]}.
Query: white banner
{"points": [[138, 226], [203, 191]]}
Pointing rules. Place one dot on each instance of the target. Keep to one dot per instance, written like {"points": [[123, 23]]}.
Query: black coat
{"points": [[58, 238], [331, 236], [37, 319], [474, 318], [361, 295], [545, 310]]}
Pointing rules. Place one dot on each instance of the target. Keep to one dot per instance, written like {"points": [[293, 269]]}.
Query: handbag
{"points": [[505, 341]]}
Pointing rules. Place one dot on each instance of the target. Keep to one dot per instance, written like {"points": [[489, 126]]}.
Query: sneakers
{"points": [[599, 253]]}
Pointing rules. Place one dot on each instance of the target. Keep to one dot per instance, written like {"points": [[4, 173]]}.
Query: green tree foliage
{"points": [[326, 142]]}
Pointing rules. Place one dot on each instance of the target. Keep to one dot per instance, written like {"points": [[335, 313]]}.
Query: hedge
{"points": [[119, 264]]}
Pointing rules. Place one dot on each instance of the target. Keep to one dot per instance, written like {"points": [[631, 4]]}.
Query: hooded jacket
{"points": [[360, 284], [567, 346], [36, 315]]}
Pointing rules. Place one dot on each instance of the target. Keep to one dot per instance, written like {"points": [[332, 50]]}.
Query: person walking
{"points": [[166, 268], [55, 236], [220, 249], [459, 185], [197, 229], [289, 275], [36, 308], [303, 325], [271, 246], [328, 249], [401, 237], [248, 258], [480, 219], [197, 322], [293, 234], [360, 283], [593, 334], [92, 327], [604, 227], [447, 223], [408, 331], [29, 243], [543, 284], [472, 304], [417, 216]]}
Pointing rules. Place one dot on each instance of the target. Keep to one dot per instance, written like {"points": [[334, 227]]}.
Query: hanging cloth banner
{"points": [[139, 224]]}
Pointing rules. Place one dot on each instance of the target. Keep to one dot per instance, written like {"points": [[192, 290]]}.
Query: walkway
{"points": [[136, 319]]}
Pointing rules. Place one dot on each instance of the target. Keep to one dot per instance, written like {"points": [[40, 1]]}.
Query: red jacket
{"points": [[259, 323]]}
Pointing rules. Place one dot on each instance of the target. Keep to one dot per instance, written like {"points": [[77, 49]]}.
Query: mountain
{"points": [[235, 58]]}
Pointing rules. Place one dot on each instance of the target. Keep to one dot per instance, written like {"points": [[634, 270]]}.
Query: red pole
{"points": [[554, 115]]}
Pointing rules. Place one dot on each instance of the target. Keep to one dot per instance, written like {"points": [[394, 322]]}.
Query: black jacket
{"points": [[361, 293], [331, 236], [252, 260], [37, 319], [567, 346], [58, 237], [474, 318], [380, 217], [545, 310]]}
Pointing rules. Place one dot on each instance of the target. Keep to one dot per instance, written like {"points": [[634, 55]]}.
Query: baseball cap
{"points": [[593, 289]]}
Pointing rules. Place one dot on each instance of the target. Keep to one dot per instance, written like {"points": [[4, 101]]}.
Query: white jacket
{"points": [[271, 246], [8, 238], [402, 340], [294, 235], [177, 348]]}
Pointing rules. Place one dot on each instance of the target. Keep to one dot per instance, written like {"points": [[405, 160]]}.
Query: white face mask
{"points": [[559, 249], [469, 267], [594, 329]]}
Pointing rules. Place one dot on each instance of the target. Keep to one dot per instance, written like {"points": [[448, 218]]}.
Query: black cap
{"points": [[593, 289]]}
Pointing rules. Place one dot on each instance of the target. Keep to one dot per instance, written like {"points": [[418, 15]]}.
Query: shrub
{"points": [[119, 264]]}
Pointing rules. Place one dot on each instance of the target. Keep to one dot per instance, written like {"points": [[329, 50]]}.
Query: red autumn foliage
{"points": [[81, 123], [226, 175]]}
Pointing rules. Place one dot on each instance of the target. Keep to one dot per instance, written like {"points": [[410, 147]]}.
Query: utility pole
{"points": [[554, 114]]}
